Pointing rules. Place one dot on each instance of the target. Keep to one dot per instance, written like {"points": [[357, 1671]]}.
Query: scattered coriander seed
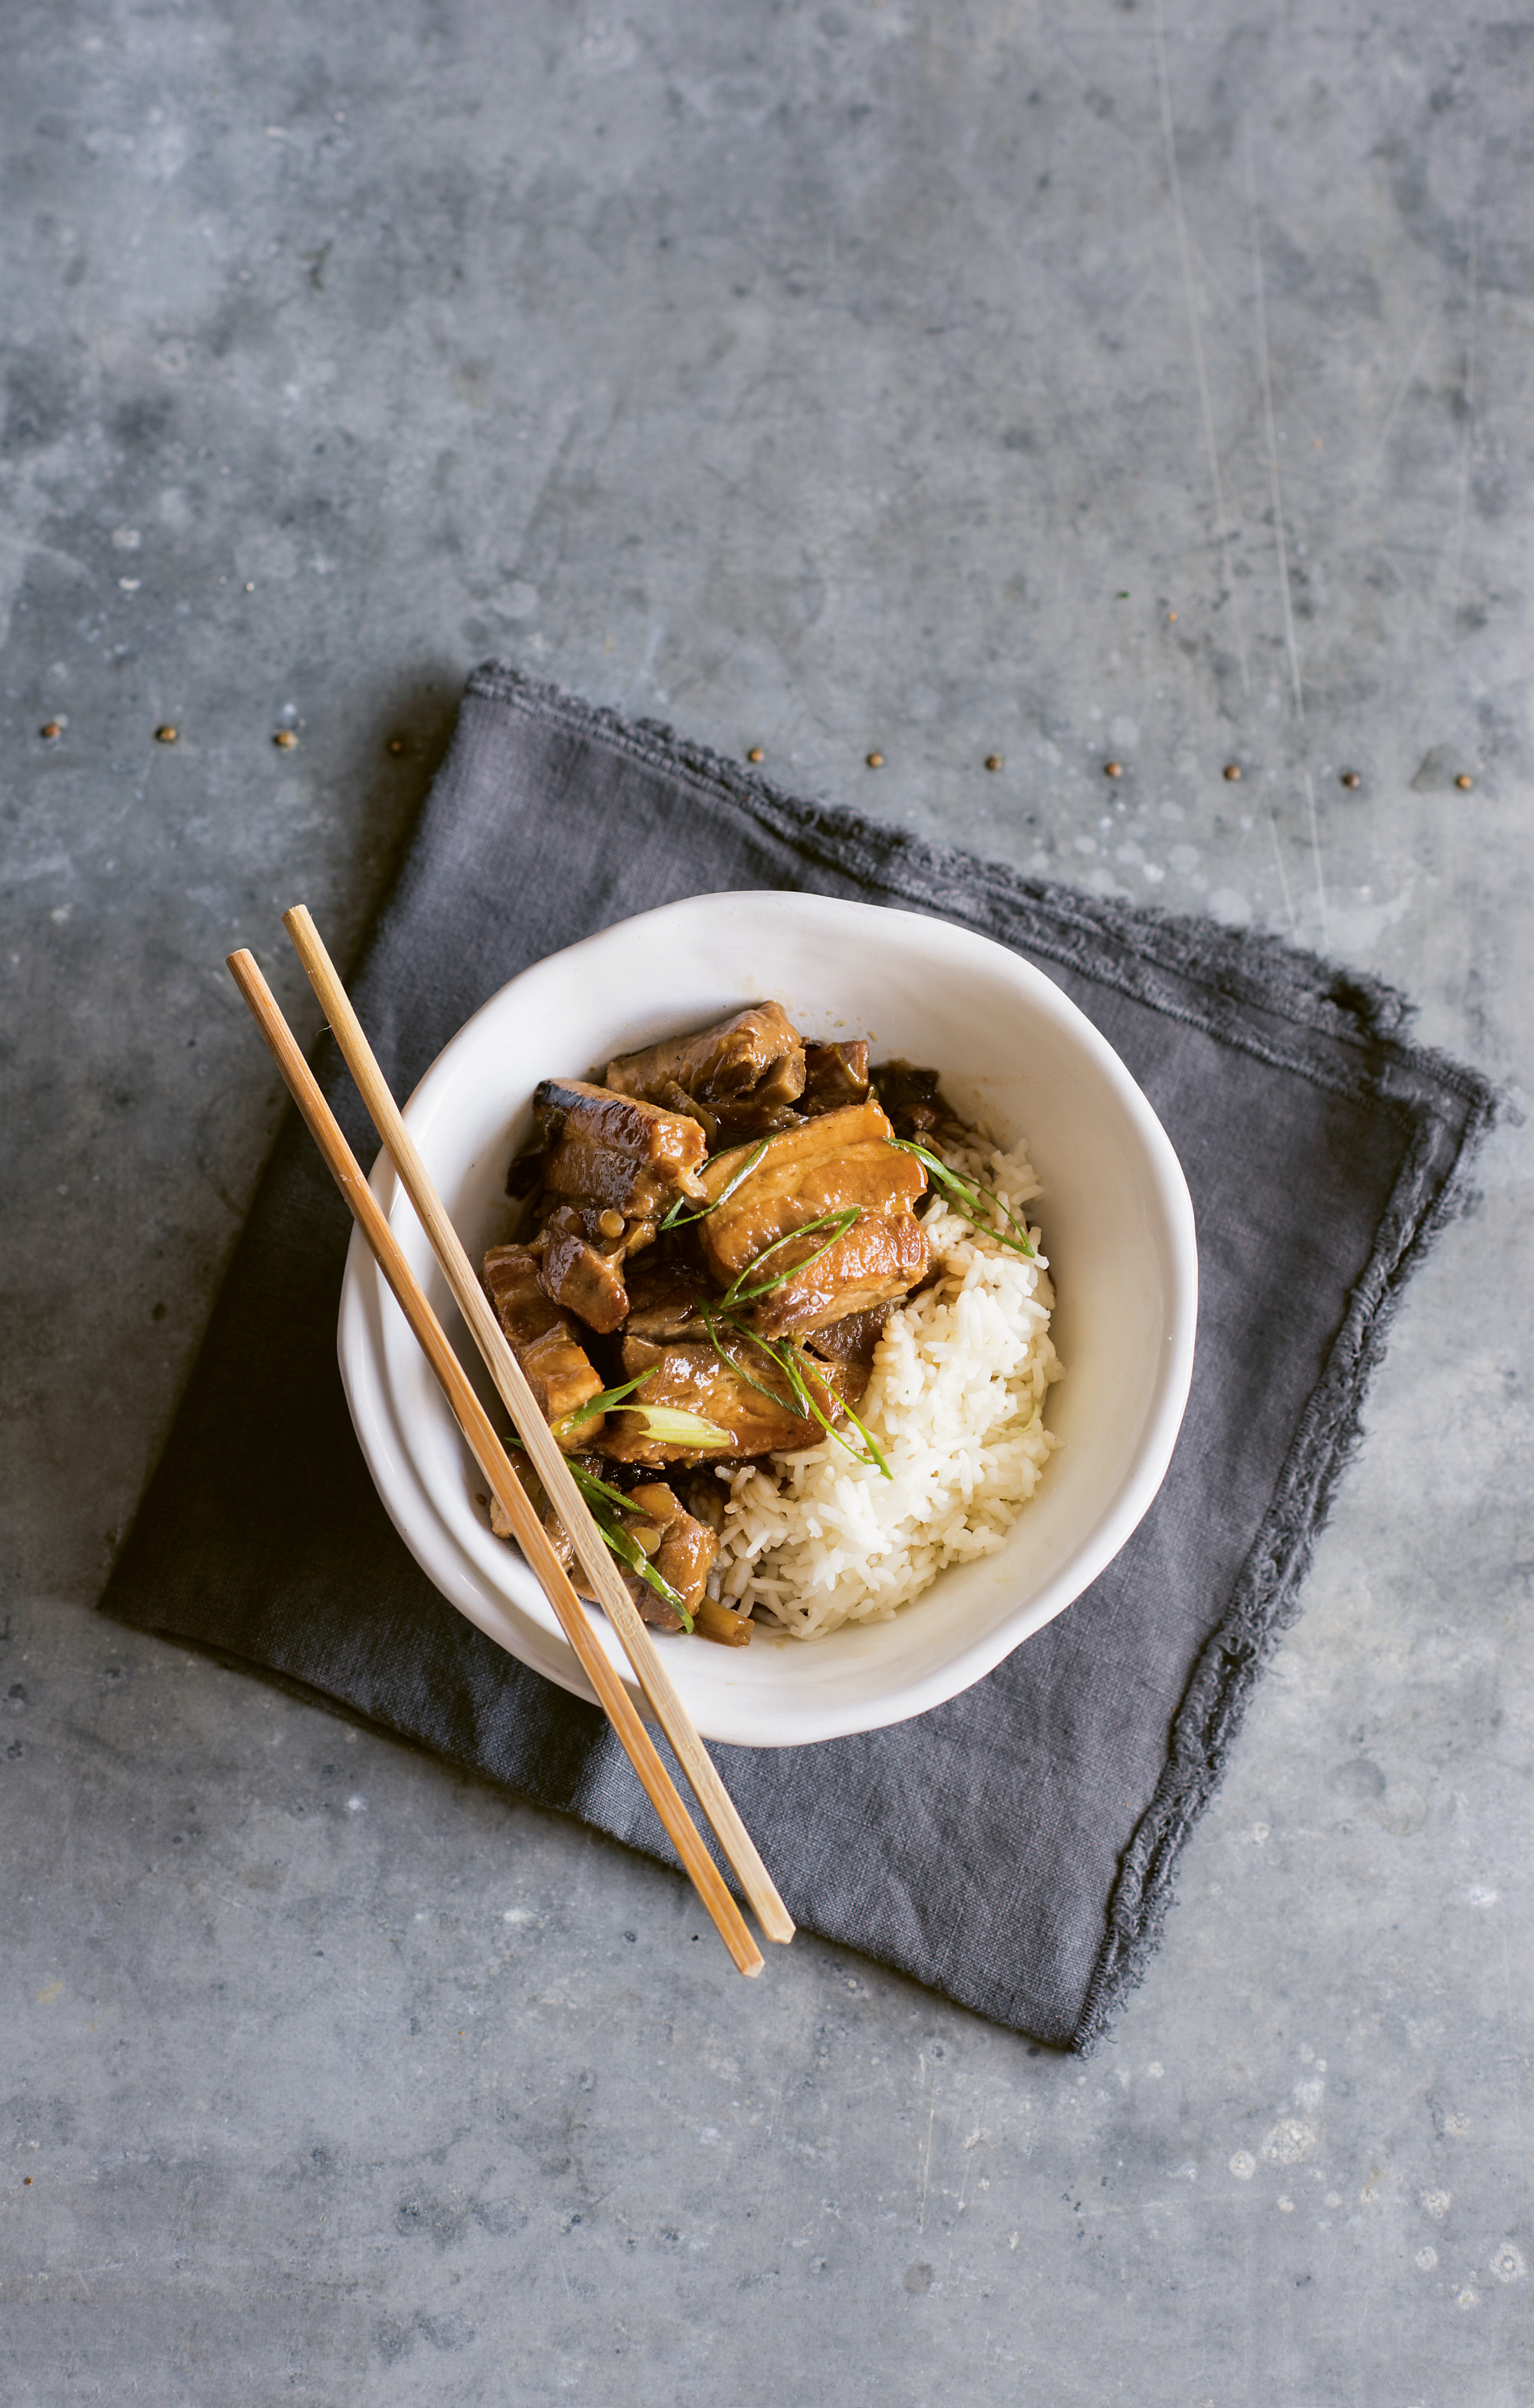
{"points": [[51, 733], [1171, 617], [610, 1222], [1350, 777], [755, 753], [396, 744], [876, 760], [285, 739], [1233, 770], [26, 2182], [994, 761], [1112, 769], [166, 735], [1463, 781]]}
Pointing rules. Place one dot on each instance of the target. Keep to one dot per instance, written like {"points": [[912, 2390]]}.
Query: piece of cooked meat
{"points": [[663, 1300], [558, 1371], [522, 1466], [616, 1150], [911, 1097], [835, 1075], [838, 1159], [851, 1344], [525, 1175], [704, 1493], [756, 1059], [683, 1552], [881, 1258], [581, 1268], [693, 1379]]}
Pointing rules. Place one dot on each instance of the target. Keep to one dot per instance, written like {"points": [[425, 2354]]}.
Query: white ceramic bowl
{"points": [[1014, 1052]]}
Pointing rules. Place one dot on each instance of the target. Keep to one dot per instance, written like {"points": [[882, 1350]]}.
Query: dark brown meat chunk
{"points": [[756, 1059], [850, 1344], [582, 1271], [616, 1150], [840, 1160], [663, 1300], [911, 1097], [557, 1370], [834, 1075], [704, 1493], [522, 1466], [693, 1379], [882, 1257], [684, 1551], [525, 1176]]}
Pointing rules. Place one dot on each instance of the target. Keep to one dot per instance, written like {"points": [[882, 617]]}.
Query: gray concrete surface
{"points": [[826, 378]]}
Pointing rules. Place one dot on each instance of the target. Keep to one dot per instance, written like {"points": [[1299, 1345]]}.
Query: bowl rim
{"points": [[429, 1538]]}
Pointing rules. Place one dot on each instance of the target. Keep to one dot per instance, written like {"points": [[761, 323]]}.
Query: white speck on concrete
{"points": [[1289, 2141]]}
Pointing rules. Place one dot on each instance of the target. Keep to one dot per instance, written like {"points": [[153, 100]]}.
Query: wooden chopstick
{"points": [[495, 1464], [534, 1434]]}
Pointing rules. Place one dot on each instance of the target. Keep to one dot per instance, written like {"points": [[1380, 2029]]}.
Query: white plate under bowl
{"points": [[1013, 1051]]}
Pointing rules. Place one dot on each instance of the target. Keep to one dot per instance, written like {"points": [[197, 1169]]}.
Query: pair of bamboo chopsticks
{"points": [[536, 1437]]}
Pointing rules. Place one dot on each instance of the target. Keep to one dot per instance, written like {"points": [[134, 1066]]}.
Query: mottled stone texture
{"points": [[822, 378]]}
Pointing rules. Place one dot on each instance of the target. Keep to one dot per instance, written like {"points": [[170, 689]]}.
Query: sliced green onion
{"points": [[601, 1499], [773, 1395], [804, 1406], [677, 1219], [875, 1452], [837, 1223], [965, 1192], [628, 1551], [674, 1427], [579, 1416], [594, 1490], [873, 1455]]}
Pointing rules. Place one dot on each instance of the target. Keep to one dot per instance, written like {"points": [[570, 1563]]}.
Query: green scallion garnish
{"points": [[787, 1362], [837, 1223], [601, 1501], [773, 1395], [966, 1194], [579, 1416], [677, 1219], [671, 1426]]}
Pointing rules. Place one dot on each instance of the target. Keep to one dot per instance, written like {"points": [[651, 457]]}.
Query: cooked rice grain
{"points": [[956, 1402]]}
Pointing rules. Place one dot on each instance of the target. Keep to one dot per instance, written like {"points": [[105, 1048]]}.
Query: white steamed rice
{"points": [[956, 1402]]}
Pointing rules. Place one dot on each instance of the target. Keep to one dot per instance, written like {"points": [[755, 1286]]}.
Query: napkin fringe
{"points": [[1434, 1190], [1241, 968]]}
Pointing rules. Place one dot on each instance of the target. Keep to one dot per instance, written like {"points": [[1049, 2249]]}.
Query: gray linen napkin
{"points": [[1015, 1848]]}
